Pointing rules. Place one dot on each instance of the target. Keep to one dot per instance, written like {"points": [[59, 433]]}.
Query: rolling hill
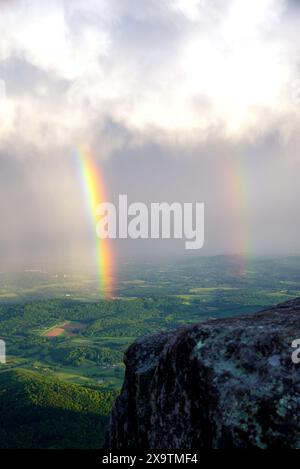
{"points": [[39, 412]]}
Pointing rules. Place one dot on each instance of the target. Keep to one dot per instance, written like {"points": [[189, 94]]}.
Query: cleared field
{"points": [[68, 328], [56, 332]]}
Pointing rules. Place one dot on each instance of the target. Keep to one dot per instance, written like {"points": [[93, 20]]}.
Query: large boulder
{"points": [[226, 383]]}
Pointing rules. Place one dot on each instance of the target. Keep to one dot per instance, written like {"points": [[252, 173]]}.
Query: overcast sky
{"points": [[179, 100]]}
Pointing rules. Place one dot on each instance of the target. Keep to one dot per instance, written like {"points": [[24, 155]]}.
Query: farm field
{"points": [[67, 328], [60, 345], [80, 339]]}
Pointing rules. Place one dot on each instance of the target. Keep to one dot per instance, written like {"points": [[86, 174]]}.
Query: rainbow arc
{"points": [[95, 195]]}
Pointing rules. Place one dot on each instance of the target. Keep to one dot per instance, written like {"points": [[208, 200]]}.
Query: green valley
{"points": [[65, 353]]}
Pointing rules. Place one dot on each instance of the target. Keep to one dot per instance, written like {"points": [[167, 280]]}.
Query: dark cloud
{"points": [[24, 78], [293, 4], [250, 191]]}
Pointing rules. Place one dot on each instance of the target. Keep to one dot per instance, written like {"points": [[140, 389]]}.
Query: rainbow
{"points": [[95, 194], [238, 201]]}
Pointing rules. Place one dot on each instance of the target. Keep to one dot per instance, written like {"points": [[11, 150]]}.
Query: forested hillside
{"points": [[38, 412]]}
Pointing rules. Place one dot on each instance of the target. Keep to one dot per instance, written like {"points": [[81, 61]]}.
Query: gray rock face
{"points": [[227, 383]]}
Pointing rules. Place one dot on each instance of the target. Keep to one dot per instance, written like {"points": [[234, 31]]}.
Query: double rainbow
{"points": [[95, 194]]}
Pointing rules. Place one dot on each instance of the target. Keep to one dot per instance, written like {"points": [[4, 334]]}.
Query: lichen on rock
{"points": [[226, 383]]}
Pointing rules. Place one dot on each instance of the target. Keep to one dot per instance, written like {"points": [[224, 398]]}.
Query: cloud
{"points": [[173, 99], [158, 66]]}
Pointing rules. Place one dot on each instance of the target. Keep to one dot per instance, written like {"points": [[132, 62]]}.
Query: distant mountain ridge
{"points": [[226, 383]]}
